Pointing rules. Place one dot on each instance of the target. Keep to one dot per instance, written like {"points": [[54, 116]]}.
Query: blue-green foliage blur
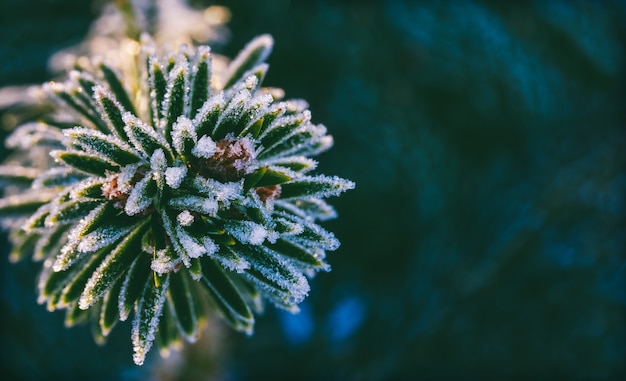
{"points": [[486, 237]]}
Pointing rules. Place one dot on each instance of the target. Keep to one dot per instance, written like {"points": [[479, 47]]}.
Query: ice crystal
{"points": [[246, 232], [140, 197], [194, 184], [174, 176], [205, 148], [185, 218]]}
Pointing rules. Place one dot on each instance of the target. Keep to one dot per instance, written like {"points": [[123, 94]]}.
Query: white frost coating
{"points": [[321, 144], [235, 107], [245, 146], [181, 68], [121, 302], [57, 206], [29, 225], [316, 208], [89, 138], [163, 262], [183, 129], [290, 278], [250, 82], [153, 65], [230, 259], [79, 189], [35, 133], [209, 245], [272, 236], [222, 192], [293, 211], [157, 161], [208, 206], [64, 260], [203, 53], [273, 267], [76, 232], [62, 175], [282, 121], [204, 148], [285, 171], [203, 205], [278, 109], [287, 227], [168, 225], [101, 237], [316, 236], [246, 231], [185, 218], [260, 104], [327, 185], [228, 191], [99, 93], [236, 264], [56, 155], [145, 323], [126, 176], [263, 44], [298, 105], [132, 124], [260, 101], [214, 103], [183, 52], [174, 176], [46, 244], [54, 206], [312, 141], [139, 200], [291, 161], [192, 247], [253, 201], [88, 297]]}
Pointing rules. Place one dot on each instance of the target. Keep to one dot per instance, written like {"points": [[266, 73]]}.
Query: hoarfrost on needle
{"points": [[174, 176]]}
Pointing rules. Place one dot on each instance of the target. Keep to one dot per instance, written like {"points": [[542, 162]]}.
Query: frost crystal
{"points": [[139, 199], [209, 245], [196, 184], [205, 148], [35, 134], [145, 324], [185, 218], [247, 231], [202, 205], [174, 176], [126, 176], [163, 263], [157, 161], [190, 245], [183, 133]]}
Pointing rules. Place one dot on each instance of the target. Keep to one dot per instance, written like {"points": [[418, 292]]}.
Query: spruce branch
{"points": [[196, 185]]}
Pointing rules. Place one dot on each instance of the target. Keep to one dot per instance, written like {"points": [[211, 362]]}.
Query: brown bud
{"points": [[230, 160], [113, 192]]}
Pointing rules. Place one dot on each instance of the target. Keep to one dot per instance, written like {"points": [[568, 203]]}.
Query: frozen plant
{"points": [[189, 193], [113, 36]]}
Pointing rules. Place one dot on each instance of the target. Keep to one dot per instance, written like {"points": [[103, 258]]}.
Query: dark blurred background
{"points": [[486, 237]]}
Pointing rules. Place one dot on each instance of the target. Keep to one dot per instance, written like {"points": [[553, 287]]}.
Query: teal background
{"points": [[486, 237]]}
